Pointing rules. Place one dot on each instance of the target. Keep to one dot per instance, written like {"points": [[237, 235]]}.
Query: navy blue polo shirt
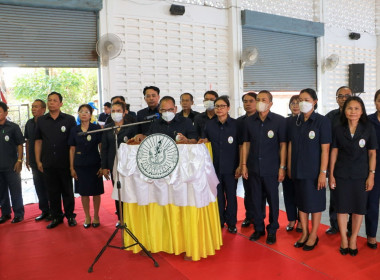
{"points": [[224, 140], [178, 125], [86, 146], [54, 135], [30, 131], [200, 121], [103, 117], [307, 138], [143, 128], [376, 124], [334, 117], [265, 138], [191, 115], [10, 138], [352, 161], [241, 128]]}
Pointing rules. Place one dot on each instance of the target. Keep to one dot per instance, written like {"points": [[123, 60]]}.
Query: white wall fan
{"points": [[331, 62], [108, 47], [249, 57]]}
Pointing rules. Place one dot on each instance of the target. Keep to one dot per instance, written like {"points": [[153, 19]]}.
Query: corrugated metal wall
{"points": [[40, 37]]}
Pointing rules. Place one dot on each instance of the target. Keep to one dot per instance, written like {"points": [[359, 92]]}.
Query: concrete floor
{"points": [[325, 215]]}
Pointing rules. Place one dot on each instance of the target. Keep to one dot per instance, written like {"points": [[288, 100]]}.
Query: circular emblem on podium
{"points": [[157, 156]]}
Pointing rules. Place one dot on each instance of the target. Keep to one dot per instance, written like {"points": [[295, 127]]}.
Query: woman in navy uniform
{"points": [[108, 151], [308, 156], [372, 216], [352, 169], [85, 164], [222, 132], [288, 184]]}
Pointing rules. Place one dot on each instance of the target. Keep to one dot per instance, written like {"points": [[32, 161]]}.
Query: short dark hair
{"points": [[56, 93], [4, 106], [250, 93], [342, 87], [107, 104], [294, 97], [43, 103], [312, 94], [211, 92], [377, 94], [268, 93], [118, 96], [187, 93], [224, 98], [87, 106], [363, 117], [122, 104], [156, 89], [166, 98]]}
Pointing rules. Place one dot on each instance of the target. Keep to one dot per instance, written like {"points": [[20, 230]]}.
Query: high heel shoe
{"points": [[96, 223], [310, 247], [289, 228], [300, 244], [87, 225], [353, 252], [343, 251]]}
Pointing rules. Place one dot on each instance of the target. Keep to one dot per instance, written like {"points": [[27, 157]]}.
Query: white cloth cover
{"points": [[192, 183]]}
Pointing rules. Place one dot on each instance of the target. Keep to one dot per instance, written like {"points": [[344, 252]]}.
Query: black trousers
{"points": [[60, 185], [372, 216], [290, 199], [227, 200], [41, 190], [268, 186]]}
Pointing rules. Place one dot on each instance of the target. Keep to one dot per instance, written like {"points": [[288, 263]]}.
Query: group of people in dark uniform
{"points": [[300, 151]]}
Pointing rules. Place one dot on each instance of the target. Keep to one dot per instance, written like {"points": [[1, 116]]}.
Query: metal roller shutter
{"points": [[41, 37]]}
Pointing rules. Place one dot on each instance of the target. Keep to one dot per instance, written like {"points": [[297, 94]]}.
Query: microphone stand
{"points": [[122, 226]]}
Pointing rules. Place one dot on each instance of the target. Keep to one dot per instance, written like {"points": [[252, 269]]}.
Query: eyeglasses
{"points": [[167, 110], [294, 104], [341, 96], [220, 106], [84, 112]]}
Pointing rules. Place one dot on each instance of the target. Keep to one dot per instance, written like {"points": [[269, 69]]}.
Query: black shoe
{"points": [[54, 223], [298, 229], [372, 245], [17, 219], [289, 228], [72, 222], [353, 252], [232, 229], [271, 238], [299, 244], [310, 247], [246, 222], [256, 235], [343, 251], [118, 224], [5, 218], [95, 225], [332, 230], [41, 217], [49, 218]]}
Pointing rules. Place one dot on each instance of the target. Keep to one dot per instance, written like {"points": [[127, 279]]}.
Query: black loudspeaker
{"points": [[356, 77], [177, 10]]}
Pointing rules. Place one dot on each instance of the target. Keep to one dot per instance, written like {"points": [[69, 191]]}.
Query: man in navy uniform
{"points": [[342, 94], [186, 101], [264, 158], [11, 150], [52, 158], [38, 110], [201, 119], [151, 97]]}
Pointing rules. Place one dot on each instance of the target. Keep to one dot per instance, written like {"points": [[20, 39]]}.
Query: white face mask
{"points": [[261, 106], [305, 107], [117, 117], [168, 116], [209, 105]]}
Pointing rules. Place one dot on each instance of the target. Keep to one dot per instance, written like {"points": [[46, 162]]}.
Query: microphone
{"points": [[152, 117]]}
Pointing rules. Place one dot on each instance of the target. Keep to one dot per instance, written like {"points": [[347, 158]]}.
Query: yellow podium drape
{"points": [[174, 229]]}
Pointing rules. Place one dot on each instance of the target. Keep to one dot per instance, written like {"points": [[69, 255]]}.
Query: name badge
{"points": [[230, 139], [63, 128], [270, 134], [125, 139], [361, 143], [312, 134], [88, 138], [6, 138]]}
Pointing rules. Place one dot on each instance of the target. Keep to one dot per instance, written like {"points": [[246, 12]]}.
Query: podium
{"points": [[176, 214]]}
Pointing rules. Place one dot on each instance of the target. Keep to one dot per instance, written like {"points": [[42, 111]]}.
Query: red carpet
{"points": [[29, 251]]}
